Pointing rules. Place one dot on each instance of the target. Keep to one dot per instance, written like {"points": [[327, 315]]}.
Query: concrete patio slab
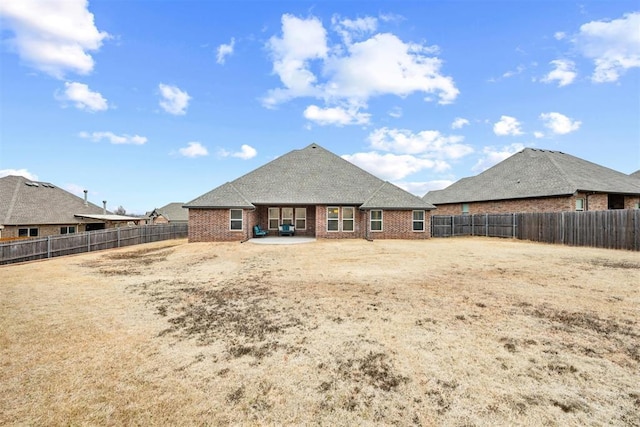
{"points": [[278, 240]]}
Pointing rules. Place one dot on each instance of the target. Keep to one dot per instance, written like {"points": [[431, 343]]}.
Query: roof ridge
{"points": [[14, 197], [562, 171], [240, 193], [374, 193]]}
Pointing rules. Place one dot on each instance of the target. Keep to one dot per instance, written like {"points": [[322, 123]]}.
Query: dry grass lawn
{"points": [[465, 331]]}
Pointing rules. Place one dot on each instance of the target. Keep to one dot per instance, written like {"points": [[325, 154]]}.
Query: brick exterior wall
{"points": [[592, 202], [209, 225], [213, 225], [44, 230]]}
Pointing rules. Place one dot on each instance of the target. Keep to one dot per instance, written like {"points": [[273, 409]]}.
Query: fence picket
{"points": [[614, 229], [67, 244]]}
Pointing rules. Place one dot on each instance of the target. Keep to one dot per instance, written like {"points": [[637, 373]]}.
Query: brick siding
{"points": [[593, 202], [209, 225]]}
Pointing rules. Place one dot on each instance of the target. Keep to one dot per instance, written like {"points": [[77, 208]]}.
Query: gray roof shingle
{"points": [[533, 173], [26, 202], [172, 212], [312, 175]]}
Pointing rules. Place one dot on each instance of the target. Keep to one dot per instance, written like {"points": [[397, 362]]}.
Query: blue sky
{"points": [[144, 103]]}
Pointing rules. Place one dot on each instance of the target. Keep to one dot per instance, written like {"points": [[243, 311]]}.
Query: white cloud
{"points": [[246, 152], [493, 156], [336, 116], [194, 149], [113, 138], [422, 188], [302, 40], [174, 101], [351, 72], [225, 50], [459, 122], [614, 46], [83, 98], [519, 69], [507, 126], [392, 166], [18, 172], [559, 35], [354, 28], [564, 72], [428, 143], [53, 36], [396, 112], [538, 134], [559, 123]]}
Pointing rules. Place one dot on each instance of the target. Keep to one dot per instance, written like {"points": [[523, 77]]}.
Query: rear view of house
{"points": [[535, 180], [315, 192]]}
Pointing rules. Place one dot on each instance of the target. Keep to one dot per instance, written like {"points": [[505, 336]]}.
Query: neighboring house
{"points": [[535, 180], [36, 209], [636, 174], [173, 213], [318, 193]]}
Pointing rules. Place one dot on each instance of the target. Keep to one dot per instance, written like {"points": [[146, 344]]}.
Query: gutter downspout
{"points": [[367, 234]]}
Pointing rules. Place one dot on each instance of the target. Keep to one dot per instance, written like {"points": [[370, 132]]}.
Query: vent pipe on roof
{"points": [[86, 202], [104, 207]]}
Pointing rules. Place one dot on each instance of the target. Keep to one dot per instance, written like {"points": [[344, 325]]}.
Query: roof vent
{"points": [[32, 184]]}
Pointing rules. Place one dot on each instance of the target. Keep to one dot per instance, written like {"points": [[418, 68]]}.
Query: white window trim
{"points": [[353, 219], [333, 219], [462, 208], [582, 200], [231, 220], [291, 219], [423, 221], [271, 218], [381, 220], [295, 218]]}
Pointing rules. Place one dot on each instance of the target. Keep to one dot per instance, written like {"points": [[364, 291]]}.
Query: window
{"points": [[615, 201], [333, 217], [579, 204], [287, 216], [274, 218], [465, 209], [68, 230], [418, 220], [27, 232], [376, 220], [348, 215], [236, 219], [301, 218]]}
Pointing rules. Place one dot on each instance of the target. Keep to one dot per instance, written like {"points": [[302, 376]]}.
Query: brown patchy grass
{"points": [[446, 331]]}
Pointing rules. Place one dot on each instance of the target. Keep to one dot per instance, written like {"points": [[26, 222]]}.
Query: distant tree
{"points": [[120, 211]]}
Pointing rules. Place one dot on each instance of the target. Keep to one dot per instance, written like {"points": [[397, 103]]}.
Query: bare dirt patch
{"points": [[446, 331]]}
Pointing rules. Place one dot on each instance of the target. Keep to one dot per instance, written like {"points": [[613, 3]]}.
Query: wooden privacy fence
{"points": [[67, 244], [612, 229]]}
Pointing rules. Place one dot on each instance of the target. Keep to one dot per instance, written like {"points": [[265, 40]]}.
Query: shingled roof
{"points": [[310, 176], [172, 212], [27, 202], [533, 173]]}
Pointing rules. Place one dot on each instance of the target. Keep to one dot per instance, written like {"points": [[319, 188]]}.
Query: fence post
{"points": [[486, 225], [514, 224], [48, 246], [453, 223], [118, 236]]}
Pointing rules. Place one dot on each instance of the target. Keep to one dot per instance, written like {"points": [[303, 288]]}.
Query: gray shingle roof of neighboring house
{"points": [[636, 174], [533, 173], [173, 212], [27, 202], [310, 176]]}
